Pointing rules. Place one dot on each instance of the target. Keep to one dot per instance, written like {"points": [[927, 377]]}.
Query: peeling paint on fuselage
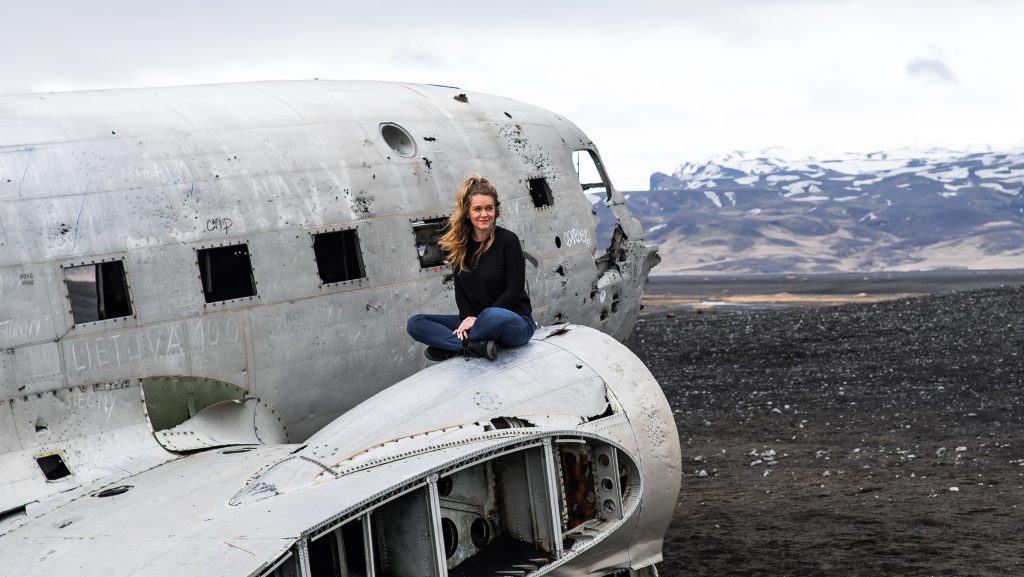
{"points": [[148, 177]]}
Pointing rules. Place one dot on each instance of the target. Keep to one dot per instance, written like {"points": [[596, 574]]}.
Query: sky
{"points": [[653, 84]]}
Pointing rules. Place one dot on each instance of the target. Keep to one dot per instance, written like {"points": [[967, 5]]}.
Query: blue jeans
{"points": [[502, 326]]}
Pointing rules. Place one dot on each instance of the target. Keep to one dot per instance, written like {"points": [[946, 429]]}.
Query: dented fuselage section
{"points": [[183, 269]]}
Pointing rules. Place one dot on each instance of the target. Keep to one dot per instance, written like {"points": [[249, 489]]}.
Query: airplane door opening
{"points": [[594, 183]]}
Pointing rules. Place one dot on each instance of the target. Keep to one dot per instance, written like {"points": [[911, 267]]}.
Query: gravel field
{"points": [[866, 439]]}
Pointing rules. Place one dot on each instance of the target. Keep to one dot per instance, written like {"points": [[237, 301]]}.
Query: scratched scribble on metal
{"points": [[201, 206]]}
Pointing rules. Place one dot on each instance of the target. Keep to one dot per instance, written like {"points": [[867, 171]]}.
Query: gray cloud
{"points": [[931, 69], [413, 57]]}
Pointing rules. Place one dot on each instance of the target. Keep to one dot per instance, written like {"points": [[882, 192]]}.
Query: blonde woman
{"points": [[490, 281]]}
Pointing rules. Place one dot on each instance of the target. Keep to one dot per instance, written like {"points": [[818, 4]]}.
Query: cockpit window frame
{"points": [[595, 156]]}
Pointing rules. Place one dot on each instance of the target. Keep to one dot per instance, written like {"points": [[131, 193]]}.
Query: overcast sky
{"points": [[654, 84]]}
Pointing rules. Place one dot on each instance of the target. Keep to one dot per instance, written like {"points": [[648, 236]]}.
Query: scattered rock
{"points": [[925, 362]]}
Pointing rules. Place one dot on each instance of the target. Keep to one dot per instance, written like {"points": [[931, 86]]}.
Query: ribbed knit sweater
{"points": [[497, 280]]}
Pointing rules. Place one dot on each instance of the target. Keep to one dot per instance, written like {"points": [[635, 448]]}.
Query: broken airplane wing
{"points": [[561, 458]]}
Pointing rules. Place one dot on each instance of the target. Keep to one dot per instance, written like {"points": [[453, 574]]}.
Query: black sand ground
{"points": [[867, 439]]}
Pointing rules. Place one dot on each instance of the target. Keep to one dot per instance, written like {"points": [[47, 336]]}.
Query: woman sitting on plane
{"points": [[490, 279]]}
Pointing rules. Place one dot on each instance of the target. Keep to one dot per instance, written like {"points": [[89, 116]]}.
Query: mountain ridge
{"points": [[907, 209]]}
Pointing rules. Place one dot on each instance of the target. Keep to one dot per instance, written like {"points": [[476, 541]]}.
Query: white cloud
{"points": [[654, 84]]}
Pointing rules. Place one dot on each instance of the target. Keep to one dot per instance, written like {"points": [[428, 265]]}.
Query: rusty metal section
{"points": [[578, 485]]}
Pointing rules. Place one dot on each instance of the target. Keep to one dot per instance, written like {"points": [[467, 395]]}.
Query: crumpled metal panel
{"points": [[653, 432], [176, 519], [100, 432], [245, 422]]}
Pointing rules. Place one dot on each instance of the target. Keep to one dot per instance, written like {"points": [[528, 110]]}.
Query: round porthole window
{"points": [[398, 139]]}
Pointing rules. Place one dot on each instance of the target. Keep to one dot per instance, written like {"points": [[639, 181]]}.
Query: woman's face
{"points": [[482, 212]]}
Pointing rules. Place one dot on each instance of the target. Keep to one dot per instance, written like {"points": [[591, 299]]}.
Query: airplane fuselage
{"points": [[262, 241]]}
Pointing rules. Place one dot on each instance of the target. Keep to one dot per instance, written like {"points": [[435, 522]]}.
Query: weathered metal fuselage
{"points": [[269, 241]]}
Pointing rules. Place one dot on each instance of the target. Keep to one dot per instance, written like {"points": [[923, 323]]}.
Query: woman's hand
{"points": [[463, 331]]}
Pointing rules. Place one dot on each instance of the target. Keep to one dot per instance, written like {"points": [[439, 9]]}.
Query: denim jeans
{"points": [[502, 326]]}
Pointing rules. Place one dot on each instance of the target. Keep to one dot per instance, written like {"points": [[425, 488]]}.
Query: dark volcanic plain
{"points": [[866, 439]]}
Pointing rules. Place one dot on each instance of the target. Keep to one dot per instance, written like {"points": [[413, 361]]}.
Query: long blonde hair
{"points": [[456, 240]]}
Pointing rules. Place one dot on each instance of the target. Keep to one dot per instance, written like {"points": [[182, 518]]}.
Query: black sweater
{"points": [[498, 280]]}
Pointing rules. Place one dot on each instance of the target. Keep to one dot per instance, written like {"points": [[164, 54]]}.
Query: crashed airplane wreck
{"points": [[203, 364]]}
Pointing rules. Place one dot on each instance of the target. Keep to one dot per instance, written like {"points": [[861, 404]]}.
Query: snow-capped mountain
{"points": [[899, 210]]}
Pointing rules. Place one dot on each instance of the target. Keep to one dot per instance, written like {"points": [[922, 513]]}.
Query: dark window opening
{"points": [[226, 272], [428, 236], [98, 292], [338, 257], [53, 467], [540, 192]]}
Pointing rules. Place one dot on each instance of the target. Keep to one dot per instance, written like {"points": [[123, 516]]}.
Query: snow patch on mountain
{"points": [[713, 198], [778, 211]]}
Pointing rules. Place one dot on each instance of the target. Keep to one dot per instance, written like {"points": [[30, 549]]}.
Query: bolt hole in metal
{"points": [[450, 534], [609, 505], [604, 460], [444, 486], [113, 491], [558, 242], [607, 484], [398, 139], [480, 533]]}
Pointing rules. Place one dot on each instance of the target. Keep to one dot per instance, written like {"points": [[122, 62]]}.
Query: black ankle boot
{"points": [[435, 354], [481, 349]]}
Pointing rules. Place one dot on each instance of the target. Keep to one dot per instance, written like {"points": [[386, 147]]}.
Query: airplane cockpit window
{"points": [[540, 192], [428, 235], [338, 257], [226, 272], [594, 183], [97, 291]]}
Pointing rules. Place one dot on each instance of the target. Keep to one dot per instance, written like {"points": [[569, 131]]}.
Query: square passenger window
{"points": [[337, 256], [428, 235], [53, 467], [226, 272], [540, 192], [97, 292]]}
